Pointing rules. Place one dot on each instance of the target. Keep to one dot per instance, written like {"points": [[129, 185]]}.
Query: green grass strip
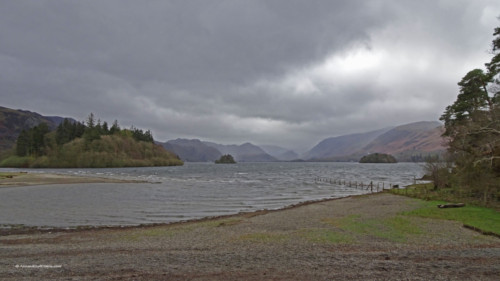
{"points": [[484, 219]]}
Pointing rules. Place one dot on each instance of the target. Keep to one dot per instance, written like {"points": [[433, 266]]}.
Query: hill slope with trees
{"points": [[94, 144], [12, 122], [378, 158]]}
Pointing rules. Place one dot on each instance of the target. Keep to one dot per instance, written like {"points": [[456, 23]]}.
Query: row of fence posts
{"points": [[355, 184]]}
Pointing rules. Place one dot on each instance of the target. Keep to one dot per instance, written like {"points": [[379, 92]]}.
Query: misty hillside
{"points": [[409, 142], [342, 146], [246, 152], [280, 153], [192, 150], [420, 136], [198, 151]]}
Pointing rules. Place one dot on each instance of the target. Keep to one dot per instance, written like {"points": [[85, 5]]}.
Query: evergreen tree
{"points": [[92, 131], [91, 121], [473, 128], [23, 143], [32, 142], [69, 130], [115, 128], [105, 128]]}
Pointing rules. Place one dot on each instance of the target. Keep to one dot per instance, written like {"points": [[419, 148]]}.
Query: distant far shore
{"points": [[11, 179]]}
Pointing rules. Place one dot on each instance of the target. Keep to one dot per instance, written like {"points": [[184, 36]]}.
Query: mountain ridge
{"points": [[422, 136], [192, 150], [343, 145], [246, 152], [280, 153], [408, 142]]}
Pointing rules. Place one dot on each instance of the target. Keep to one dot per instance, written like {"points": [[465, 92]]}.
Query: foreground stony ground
{"points": [[358, 238]]}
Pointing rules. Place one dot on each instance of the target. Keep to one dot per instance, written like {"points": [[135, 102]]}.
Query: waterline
{"points": [[183, 193]]}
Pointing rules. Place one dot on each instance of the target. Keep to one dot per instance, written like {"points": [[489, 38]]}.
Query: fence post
{"points": [[371, 186]]}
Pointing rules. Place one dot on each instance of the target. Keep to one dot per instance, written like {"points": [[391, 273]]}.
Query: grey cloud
{"points": [[235, 71], [188, 41]]}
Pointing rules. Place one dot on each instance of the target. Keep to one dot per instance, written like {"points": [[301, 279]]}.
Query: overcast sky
{"points": [[283, 72]]}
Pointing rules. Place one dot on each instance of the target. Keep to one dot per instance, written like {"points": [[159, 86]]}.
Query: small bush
{"points": [[17, 162]]}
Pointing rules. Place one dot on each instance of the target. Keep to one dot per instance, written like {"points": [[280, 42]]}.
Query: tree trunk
{"points": [[451, 205]]}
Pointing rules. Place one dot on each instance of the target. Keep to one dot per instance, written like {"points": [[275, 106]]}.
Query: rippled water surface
{"points": [[194, 190]]}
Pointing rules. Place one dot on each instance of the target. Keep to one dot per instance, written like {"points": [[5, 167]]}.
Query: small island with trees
{"points": [[378, 158], [91, 145], [225, 159]]}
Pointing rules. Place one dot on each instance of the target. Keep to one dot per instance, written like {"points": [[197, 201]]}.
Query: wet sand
{"points": [[10, 179]]}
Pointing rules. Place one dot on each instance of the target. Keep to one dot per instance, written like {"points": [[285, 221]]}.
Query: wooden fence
{"points": [[372, 187]]}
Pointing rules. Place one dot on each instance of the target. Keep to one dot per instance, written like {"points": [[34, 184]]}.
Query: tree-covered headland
{"points": [[472, 124], [378, 158], [225, 159], [91, 144]]}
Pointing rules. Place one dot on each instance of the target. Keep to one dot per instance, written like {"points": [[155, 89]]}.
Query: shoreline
{"points": [[362, 237], [24, 229]]}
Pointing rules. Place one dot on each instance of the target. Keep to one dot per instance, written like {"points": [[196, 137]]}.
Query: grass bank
{"points": [[482, 219], [485, 220]]}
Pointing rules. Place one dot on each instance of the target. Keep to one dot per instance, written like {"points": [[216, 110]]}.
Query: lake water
{"points": [[195, 190]]}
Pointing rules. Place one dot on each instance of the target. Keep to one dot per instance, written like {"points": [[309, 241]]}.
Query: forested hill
{"points": [[12, 122], [93, 144]]}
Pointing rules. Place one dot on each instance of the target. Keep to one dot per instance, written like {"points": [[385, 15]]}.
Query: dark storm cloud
{"points": [[235, 71]]}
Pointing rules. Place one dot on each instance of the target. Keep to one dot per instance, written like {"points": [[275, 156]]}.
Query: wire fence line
{"points": [[371, 186]]}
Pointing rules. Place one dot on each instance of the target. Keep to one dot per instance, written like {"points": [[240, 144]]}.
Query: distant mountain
{"points": [[192, 150], [280, 153], [198, 151], [342, 146], [409, 142], [12, 122], [246, 152]]}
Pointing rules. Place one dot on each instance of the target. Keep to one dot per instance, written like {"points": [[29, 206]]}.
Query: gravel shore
{"points": [[357, 238]]}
